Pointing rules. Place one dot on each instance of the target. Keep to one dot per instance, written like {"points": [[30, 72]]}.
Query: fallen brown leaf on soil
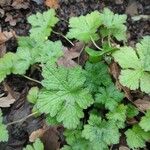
{"points": [[52, 3], [66, 60], [123, 148], [114, 70], [37, 134], [5, 36], [18, 4], [132, 121], [6, 101], [10, 19], [142, 104], [51, 139], [9, 99]]}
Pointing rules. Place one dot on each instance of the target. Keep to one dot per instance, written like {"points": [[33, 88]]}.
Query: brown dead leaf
{"points": [[6, 101], [5, 36], [10, 19], [52, 3], [18, 4], [51, 139], [9, 99], [114, 70], [37, 134], [123, 148], [132, 121], [142, 104], [66, 60]]}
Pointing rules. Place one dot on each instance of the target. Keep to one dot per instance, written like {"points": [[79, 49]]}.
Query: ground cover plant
{"points": [[84, 99]]}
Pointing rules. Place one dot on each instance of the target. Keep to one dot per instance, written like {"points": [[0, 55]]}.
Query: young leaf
{"points": [[134, 73], [33, 95], [113, 24], [145, 121], [96, 75], [3, 130], [6, 64], [136, 137], [84, 28], [64, 95], [100, 132], [37, 145], [42, 24], [94, 56], [109, 96], [132, 111], [118, 115]]}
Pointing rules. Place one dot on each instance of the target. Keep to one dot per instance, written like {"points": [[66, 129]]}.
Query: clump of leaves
{"points": [[34, 48], [135, 65], [69, 94]]}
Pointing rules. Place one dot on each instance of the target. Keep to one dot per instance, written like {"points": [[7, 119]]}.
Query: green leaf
{"points": [[113, 24], [33, 95], [94, 56], [132, 111], [37, 145], [6, 64], [109, 96], [64, 96], [3, 130], [145, 121], [135, 69], [100, 132], [22, 61], [143, 49], [96, 75], [118, 116], [42, 24], [84, 27], [48, 51], [136, 137], [75, 141]]}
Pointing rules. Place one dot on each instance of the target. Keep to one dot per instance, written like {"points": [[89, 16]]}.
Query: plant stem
{"points": [[80, 54], [21, 120], [63, 37], [31, 79], [96, 44]]}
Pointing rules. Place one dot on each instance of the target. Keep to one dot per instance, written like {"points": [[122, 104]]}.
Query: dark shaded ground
{"points": [[20, 132]]}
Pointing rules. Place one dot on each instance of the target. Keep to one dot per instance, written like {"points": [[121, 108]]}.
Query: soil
{"points": [[19, 133]]}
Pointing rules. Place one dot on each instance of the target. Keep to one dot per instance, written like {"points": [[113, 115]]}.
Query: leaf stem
{"points": [[21, 120], [31, 79], [63, 37], [95, 44]]}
